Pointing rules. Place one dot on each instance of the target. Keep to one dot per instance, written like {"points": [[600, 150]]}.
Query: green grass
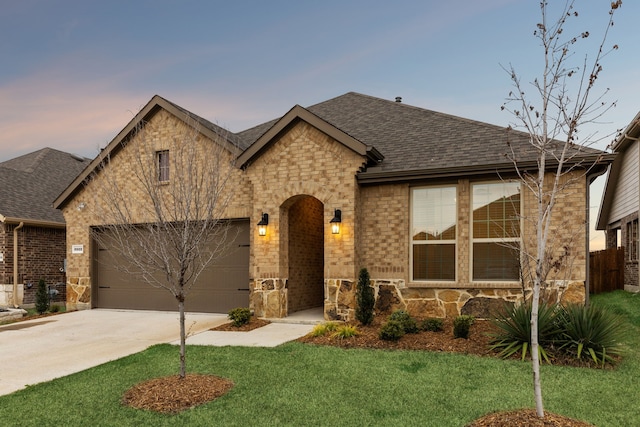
{"points": [[297, 384]]}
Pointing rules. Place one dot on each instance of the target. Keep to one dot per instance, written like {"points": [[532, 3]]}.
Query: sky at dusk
{"points": [[75, 72]]}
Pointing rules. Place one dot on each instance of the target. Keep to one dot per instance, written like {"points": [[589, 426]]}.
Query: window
{"points": [[496, 231], [632, 240], [433, 234], [163, 165]]}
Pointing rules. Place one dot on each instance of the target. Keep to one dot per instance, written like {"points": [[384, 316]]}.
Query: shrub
{"points": [[592, 330], [54, 308], [365, 299], [345, 331], [432, 325], [409, 325], [239, 316], [42, 297], [461, 325], [323, 328], [391, 331], [514, 324]]}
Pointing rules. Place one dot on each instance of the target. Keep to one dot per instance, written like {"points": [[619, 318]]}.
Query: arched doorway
{"points": [[304, 246]]}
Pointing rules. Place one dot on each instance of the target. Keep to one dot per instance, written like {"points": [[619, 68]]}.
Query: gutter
{"points": [[15, 264], [376, 175], [33, 222]]}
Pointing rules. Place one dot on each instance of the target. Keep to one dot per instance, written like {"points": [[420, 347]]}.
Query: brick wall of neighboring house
{"points": [[159, 133], [630, 265], [41, 254], [5, 252]]}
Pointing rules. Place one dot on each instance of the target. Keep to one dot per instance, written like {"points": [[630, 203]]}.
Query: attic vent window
{"points": [[162, 159]]}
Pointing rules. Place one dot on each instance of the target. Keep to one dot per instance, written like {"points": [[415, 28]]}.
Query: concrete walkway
{"points": [[39, 350]]}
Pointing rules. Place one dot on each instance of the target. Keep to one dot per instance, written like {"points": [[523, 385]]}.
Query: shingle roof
{"points": [[412, 138], [29, 184]]}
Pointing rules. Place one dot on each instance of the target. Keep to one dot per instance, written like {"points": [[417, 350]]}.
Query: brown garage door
{"points": [[220, 288]]}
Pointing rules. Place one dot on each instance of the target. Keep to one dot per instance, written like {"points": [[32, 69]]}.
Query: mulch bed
{"points": [[172, 395]]}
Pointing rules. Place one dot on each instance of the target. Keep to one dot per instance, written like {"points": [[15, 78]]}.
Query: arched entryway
{"points": [[304, 249]]}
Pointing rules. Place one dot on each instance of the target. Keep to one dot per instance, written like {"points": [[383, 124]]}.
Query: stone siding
{"points": [[392, 295]]}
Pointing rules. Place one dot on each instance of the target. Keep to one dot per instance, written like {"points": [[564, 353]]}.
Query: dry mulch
{"points": [[526, 418], [172, 395]]}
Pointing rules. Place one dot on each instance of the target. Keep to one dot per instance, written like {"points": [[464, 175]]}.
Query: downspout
{"points": [[15, 264]]}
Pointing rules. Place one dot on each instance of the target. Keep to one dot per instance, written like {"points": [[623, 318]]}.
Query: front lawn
{"points": [[297, 384]]}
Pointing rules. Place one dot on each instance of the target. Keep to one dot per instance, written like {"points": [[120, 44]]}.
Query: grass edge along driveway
{"points": [[298, 384]]}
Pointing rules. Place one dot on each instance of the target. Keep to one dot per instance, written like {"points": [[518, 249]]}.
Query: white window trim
{"points": [[490, 240], [432, 242]]}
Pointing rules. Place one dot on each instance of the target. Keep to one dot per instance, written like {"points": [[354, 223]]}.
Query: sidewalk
{"points": [[271, 335]]}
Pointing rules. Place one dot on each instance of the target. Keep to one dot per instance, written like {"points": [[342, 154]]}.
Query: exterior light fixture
{"points": [[262, 225], [335, 221]]}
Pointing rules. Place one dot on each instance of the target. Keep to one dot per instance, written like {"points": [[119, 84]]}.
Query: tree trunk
{"points": [[535, 360], [183, 338]]}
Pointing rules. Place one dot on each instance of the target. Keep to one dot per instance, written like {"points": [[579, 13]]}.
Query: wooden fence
{"points": [[606, 270]]}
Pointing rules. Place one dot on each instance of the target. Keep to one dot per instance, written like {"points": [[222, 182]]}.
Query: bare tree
{"points": [[561, 104], [160, 205]]}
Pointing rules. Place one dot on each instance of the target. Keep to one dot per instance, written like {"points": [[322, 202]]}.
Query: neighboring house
{"points": [[32, 231], [429, 203], [618, 215]]}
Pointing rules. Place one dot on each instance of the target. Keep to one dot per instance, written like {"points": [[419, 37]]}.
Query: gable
{"points": [[297, 114], [620, 197], [154, 106]]}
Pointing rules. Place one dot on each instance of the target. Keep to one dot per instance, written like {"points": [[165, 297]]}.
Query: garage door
{"points": [[220, 288]]}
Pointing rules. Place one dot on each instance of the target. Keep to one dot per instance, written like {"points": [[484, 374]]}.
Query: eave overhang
{"points": [[595, 163]]}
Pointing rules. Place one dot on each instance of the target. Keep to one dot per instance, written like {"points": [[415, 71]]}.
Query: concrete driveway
{"points": [[42, 349]]}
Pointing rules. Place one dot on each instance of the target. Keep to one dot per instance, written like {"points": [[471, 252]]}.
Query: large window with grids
{"points": [[162, 160], [496, 224], [433, 233]]}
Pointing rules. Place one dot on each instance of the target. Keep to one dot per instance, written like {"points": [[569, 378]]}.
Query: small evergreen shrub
{"points": [[54, 308], [365, 298], [461, 325], [432, 325], [409, 324], [42, 297], [239, 316], [591, 330], [391, 331], [345, 331]]}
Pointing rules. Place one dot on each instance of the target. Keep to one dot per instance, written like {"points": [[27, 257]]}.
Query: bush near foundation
{"points": [[239, 316], [461, 326], [391, 331]]}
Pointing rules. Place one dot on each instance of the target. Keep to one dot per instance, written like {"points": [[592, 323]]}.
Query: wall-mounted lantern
{"points": [[262, 224], [335, 221]]}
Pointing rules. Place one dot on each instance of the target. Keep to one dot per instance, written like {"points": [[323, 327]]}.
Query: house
{"points": [[428, 202], [32, 232], [618, 215]]}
